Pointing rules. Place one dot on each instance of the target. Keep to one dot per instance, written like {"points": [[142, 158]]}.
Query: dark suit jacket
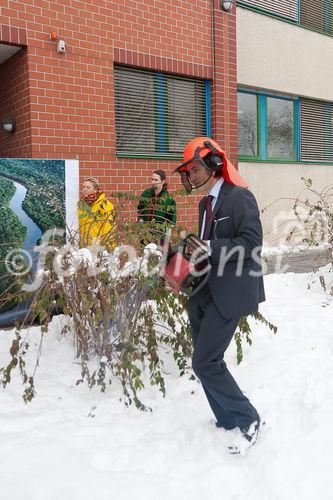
{"points": [[235, 279]]}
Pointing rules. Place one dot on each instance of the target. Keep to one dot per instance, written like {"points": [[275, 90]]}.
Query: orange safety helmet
{"points": [[200, 147]]}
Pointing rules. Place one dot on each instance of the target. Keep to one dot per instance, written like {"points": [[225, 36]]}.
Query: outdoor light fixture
{"points": [[227, 5], [9, 124]]}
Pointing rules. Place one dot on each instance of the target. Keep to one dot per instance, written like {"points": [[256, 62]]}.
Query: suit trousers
{"points": [[211, 335]]}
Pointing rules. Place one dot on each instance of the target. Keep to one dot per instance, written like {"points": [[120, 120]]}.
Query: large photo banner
{"points": [[36, 196]]}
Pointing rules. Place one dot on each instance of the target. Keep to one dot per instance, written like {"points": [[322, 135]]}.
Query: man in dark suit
{"points": [[229, 222]]}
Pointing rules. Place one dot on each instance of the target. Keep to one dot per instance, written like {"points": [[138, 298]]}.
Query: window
{"points": [[156, 113], [266, 127], [284, 8], [317, 15], [280, 128], [273, 128], [247, 125], [316, 130]]}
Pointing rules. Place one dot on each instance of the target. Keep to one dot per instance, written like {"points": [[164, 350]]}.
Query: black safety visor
{"points": [[188, 163]]}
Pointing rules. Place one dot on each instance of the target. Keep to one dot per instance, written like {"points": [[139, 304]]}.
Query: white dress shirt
{"points": [[213, 192]]}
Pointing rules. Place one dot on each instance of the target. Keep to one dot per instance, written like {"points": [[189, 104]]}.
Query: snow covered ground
{"points": [[71, 443]]}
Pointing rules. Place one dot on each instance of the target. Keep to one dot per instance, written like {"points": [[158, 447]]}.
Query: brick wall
{"points": [[14, 101], [71, 94], [224, 88]]}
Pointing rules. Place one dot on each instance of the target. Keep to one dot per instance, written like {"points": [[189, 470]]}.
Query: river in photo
{"points": [[32, 236], [33, 231]]}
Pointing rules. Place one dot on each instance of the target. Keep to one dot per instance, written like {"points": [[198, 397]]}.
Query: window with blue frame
{"points": [[267, 127], [317, 16], [158, 113], [248, 124], [284, 8], [280, 128]]}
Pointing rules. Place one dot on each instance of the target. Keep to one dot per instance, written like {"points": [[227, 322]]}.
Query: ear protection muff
{"points": [[214, 160]]}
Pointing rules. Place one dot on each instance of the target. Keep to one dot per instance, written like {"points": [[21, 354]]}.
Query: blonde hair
{"points": [[93, 181]]}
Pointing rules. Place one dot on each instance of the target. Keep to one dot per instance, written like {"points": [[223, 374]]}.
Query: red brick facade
{"points": [[15, 101], [63, 103]]}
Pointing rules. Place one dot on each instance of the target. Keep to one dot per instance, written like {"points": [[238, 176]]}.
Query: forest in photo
{"points": [[44, 203], [45, 183], [12, 232]]}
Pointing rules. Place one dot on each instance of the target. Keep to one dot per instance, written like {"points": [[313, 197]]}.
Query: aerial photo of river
{"points": [[33, 231], [33, 234], [38, 203]]}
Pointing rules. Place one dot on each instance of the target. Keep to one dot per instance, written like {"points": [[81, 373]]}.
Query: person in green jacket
{"points": [[157, 207]]}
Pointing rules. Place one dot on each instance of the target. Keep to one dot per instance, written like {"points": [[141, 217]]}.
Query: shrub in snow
{"points": [[121, 316], [314, 214]]}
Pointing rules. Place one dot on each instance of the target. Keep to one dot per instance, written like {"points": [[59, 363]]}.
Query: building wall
{"points": [[224, 88], [15, 101], [71, 94], [276, 187], [276, 55]]}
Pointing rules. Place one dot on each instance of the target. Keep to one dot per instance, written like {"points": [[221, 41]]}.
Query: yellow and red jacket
{"points": [[96, 222]]}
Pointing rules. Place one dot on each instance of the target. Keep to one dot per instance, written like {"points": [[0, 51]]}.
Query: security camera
{"points": [[61, 46]]}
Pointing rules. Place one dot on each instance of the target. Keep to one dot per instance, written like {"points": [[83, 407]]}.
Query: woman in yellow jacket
{"points": [[96, 217]]}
